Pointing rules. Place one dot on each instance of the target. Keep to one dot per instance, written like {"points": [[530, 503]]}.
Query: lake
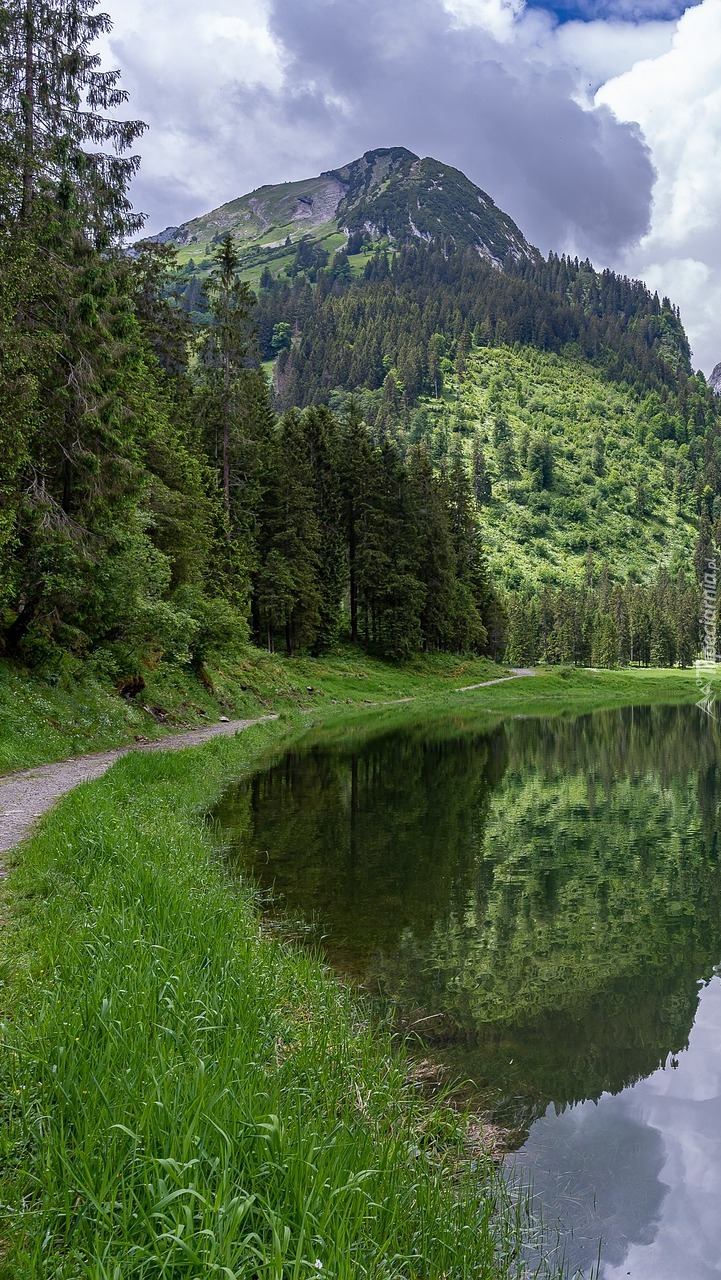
{"points": [[541, 901]]}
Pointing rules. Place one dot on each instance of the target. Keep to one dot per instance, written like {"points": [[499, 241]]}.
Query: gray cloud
{"points": [[253, 91], [369, 74]]}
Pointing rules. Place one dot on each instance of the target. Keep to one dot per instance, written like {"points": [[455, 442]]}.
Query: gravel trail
{"points": [[26, 796], [518, 674]]}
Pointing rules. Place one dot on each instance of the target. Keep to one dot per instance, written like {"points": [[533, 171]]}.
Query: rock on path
{"points": [[26, 796]]}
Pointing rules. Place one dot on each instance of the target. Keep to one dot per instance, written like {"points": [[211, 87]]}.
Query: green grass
{"points": [[50, 718], [183, 1097], [554, 691], [43, 720]]}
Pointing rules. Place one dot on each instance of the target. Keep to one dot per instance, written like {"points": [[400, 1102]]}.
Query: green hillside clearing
{"points": [[617, 487]]}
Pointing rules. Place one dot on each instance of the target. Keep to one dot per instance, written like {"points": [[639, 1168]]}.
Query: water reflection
{"points": [[545, 894], [641, 1169], [543, 900]]}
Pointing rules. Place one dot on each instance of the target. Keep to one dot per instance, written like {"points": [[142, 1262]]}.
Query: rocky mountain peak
{"points": [[388, 194]]}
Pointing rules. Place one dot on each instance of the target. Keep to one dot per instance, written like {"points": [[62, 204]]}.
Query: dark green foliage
{"points": [[419, 305], [606, 626], [539, 461], [151, 503], [58, 114], [354, 539]]}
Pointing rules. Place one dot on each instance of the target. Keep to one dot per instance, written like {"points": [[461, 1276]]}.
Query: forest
{"points": [[160, 500]]}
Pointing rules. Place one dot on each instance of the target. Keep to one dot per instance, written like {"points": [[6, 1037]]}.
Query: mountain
{"points": [[715, 380], [388, 195], [395, 285], [396, 195]]}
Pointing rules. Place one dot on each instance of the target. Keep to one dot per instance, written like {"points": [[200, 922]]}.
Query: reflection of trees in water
{"points": [[370, 842], [550, 888]]}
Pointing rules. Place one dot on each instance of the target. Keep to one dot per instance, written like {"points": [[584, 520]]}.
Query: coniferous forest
{"points": [[158, 496]]}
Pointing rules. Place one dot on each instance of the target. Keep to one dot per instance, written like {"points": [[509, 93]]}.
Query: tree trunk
{"points": [[226, 444], [28, 114], [352, 546], [18, 629]]}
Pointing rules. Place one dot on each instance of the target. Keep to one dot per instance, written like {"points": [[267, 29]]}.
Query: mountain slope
{"points": [[715, 380], [396, 195], [388, 195], [569, 392], [571, 462]]}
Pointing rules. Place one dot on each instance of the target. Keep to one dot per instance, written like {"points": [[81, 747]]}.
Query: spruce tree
{"points": [[288, 585], [475, 600], [226, 355], [355, 472], [322, 437], [57, 116], [434, 559], [481, 481]]}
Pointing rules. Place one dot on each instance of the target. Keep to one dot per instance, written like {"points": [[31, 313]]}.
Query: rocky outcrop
{"points": [[715, 380], [405, 198]]}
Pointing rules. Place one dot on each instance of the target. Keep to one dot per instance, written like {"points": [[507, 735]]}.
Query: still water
{"points": [[542, 901]]}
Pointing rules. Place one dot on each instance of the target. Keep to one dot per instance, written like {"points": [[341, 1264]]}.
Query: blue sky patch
{"points": [[626, 10]]}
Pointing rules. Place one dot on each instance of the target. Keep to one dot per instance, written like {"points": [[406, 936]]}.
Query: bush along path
{"points": [[26, 796]]}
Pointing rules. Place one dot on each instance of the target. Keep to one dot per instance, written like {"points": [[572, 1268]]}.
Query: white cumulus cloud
{"points": [[676, 99]]}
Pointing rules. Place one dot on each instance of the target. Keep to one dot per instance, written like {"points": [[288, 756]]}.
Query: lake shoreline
{"points": [[136, 978], [52, 717], [151, 1026]]}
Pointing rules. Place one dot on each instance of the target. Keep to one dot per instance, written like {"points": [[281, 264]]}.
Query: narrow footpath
{"points": [[26, 796], [518, 674]]}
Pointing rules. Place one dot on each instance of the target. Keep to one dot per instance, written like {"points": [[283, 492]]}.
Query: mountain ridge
{"points": [[388, 193]]}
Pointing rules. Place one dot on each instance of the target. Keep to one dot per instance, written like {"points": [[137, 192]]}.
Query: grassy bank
{"points": [[50, 718], [45, 719], [182, 1096]]}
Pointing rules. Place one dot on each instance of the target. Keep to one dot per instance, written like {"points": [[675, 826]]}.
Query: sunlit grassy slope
{"points": [[51, 716], [45, 719], [615, 484]]}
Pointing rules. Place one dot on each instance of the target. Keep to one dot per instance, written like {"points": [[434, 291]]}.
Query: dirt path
{"points": [[26, 796], [518, 674]]}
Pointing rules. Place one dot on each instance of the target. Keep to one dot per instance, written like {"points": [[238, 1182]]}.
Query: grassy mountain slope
{"points": [[381, 278], [261, 224], [615, 485]]}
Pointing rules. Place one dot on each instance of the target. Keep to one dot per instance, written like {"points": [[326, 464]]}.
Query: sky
{"points": [[596, 124], [641, 1166]]}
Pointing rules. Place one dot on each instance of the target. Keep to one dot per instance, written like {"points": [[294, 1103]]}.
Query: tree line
{"points": [[152, 502], [607, 624], [415, 306]]}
